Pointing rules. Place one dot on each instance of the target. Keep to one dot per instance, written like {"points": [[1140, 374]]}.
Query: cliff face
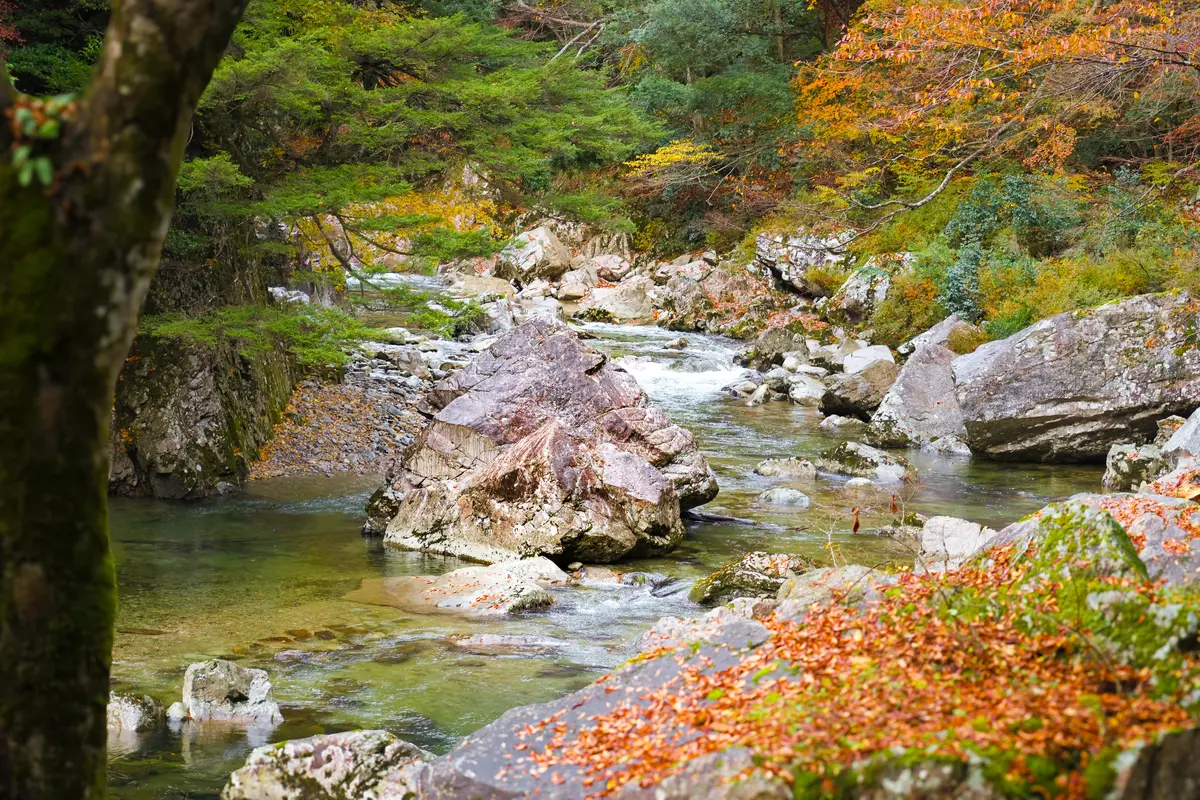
{"points": [[191, 417]]}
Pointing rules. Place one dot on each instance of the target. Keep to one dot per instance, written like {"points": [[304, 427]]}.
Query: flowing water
{"points": [[261, 579]]}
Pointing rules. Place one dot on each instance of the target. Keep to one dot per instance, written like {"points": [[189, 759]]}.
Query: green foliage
{"points": [[442, 315], [317, 337], [59, 41], [911, 308]]}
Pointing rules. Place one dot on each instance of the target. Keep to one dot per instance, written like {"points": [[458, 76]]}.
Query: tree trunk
{"points": [[77, 261], [777, 18]]}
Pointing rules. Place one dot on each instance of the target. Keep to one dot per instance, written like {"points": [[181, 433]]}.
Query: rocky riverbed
{"points": [[611, 435]]}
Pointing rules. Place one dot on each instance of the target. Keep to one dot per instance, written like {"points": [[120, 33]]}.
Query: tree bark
{"points": [[76, 263]]}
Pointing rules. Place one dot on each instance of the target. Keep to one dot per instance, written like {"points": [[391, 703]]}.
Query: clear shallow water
{"points": [[261, 579]]}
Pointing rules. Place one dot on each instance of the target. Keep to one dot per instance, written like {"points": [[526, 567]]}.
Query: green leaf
{"points": [[45, 170], [21, 155], [25, 174]]}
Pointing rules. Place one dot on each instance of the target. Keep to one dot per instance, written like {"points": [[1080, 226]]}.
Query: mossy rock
{"points": [[752, 575]]}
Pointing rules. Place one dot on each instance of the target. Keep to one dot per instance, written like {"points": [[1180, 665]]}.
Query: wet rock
{"points": [[532, 255], [542, 446], [359, 765], [860, 360], [785, 497], [134, 713], [1129, 466], [1070, 387], [223, 690], [494, 590], [753, 575], [833, 356], [864, 461], [677, 344], [806, 390], [946, 542], [790, 257], [760, 397], [921, 407], [859, 393], [771, 347], [863, 486], [794, 468]]}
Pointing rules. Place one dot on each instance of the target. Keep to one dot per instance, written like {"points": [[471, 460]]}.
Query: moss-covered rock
{"points": [[190, 416], [752, 575], [854, 458]]}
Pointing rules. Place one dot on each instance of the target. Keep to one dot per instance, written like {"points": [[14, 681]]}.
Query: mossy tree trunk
{"points": [[76, 260]]}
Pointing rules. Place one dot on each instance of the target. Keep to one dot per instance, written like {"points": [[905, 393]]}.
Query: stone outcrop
{"points": [[358, 765], [1070, 387], [542, 446], [494, 590], [921, 407], [789, 258], [190, 416], [225, 691], [532, 255]]}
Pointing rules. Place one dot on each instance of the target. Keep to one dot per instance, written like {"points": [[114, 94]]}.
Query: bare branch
{"points": [[576, 38]]}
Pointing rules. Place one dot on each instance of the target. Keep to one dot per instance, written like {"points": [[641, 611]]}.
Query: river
{"points": [[260, 578]]}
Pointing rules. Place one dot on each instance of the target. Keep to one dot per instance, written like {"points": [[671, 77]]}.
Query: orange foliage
{"points": [[849, 683]]}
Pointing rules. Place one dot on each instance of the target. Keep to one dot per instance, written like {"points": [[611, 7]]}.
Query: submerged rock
{"points": [[1070, 387], [225, 691], [541, 446], [134, 713], [795, 468], [358, 765], [752, 575], [494, 590], [864, 461], [785, 497]]}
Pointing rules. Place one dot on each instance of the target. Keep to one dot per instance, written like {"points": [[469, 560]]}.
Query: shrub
{"points": [[1015, 322], [911, 307], [963, 340]]}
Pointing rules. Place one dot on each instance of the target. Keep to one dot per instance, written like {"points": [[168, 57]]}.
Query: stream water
{"points": [[261, 579]]}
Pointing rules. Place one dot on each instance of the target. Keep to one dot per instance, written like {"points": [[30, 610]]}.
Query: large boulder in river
{"points": [[864, 461], [922, 405], [356, 765], [225, 691], [1070, 387], [542, 446]]}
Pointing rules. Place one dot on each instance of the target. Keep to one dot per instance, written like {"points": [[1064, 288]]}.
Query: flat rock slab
{"points": [[494, 590]]}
